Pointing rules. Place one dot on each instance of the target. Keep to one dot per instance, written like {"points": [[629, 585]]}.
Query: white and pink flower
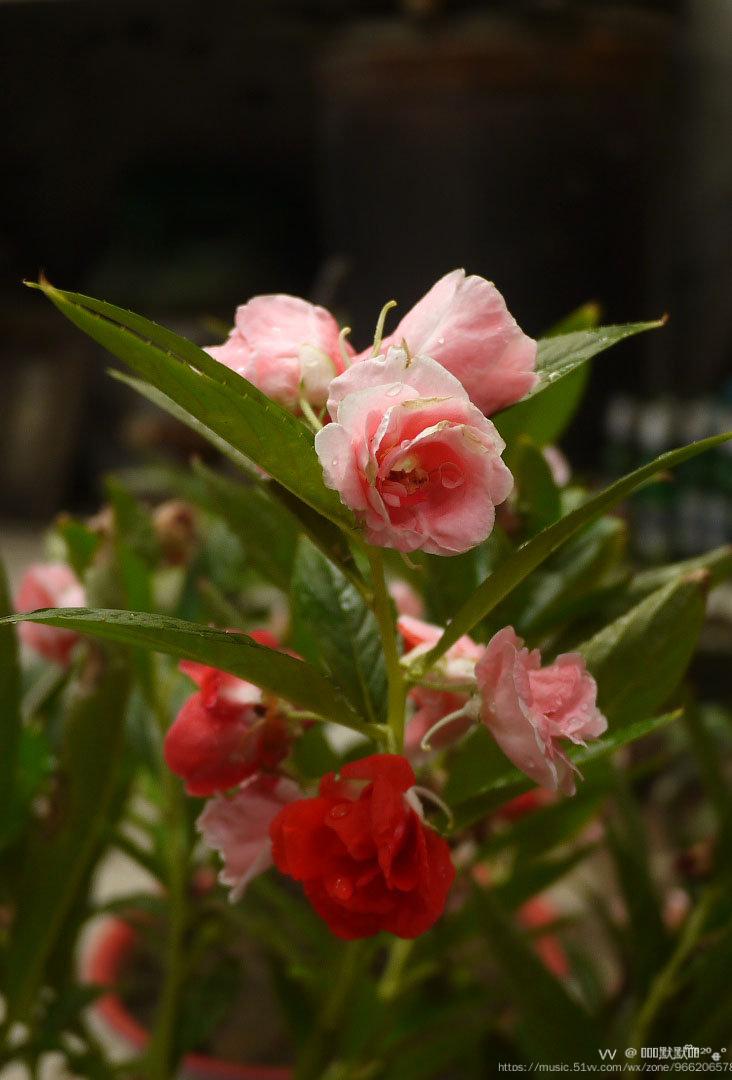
{"points": [[412, 456], [287, 347], [452, 679], [464, 324], [237, 826], [529, 709]]}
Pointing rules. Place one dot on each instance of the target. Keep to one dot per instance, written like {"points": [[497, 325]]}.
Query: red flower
{"points": [[225, 732], [367, 860]]}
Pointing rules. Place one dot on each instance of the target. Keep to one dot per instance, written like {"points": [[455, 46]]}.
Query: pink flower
{"points": [[407, 600], [238, 828], [412, 456], [529, 708], [49, 585], [286, 347], [463, 323], [454, 674]]}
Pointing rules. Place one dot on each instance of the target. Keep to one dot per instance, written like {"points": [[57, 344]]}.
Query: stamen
{"points": [[467, 710], [430, 796], [342, 346], [379, 335]]}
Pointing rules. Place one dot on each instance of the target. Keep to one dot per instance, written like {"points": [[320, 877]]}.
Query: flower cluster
{"points": [[409, 446], [404, 435]]}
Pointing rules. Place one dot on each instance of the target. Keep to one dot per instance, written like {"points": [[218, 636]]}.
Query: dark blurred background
{"points": [[179, 157]]}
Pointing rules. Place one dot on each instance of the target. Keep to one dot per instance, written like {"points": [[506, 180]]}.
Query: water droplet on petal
{"points": [[341, 888], [341, 810]]}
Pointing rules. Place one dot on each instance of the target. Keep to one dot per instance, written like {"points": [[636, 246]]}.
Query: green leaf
{"points": [[534, 877], [446, 583], [516, 568], [80, 542], [222, 401], [543, 599], [639, 660], [341, 633], [553, 1027], [644, 936], [561, 364], [267, 532], [481, 778], [717, 563], [291, 679], [267, 518], [65, 843], [10, 698], [585, 317], [538, 496], [542, 830]]}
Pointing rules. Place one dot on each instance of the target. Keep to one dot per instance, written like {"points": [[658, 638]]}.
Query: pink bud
{"points": [[286, 347]]}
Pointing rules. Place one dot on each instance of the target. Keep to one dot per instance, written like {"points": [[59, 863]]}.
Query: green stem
{"points": [[391, 980], [160, 1059], [384, 616], [309, 414], [313, 1061], [665, 982]]}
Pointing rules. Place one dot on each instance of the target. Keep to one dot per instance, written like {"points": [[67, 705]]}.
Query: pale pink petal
{"points": [[529, 709], [238, 828], [427, 377], [285, 346], [463, 323]]}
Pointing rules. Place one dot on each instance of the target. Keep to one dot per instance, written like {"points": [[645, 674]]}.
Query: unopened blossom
{"points": [[366, 859], [286, 347], [225, 732], [237, 826], [463, 323], [448, 687], [49, 585], [530, 710], [412, 456]]}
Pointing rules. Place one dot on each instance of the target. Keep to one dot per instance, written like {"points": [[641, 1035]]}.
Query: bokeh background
{"points": [[179, 157]]}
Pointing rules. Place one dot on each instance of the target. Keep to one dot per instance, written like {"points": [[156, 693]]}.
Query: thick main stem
{"points": [[319, 1048], [160, 1058], [397, 699]]}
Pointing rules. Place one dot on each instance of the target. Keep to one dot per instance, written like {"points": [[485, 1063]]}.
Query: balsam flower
{"points": [[529, 709], [365, 857], [286, 347], [464, 324], [412, 456], [49, 585], [448, 687], [225, 732], [237, 826]]}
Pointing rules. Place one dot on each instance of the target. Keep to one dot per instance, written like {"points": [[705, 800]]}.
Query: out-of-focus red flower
{"points": [[227, 731], [366, 859], [525, 804], [48, 585], [535, 914]]}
